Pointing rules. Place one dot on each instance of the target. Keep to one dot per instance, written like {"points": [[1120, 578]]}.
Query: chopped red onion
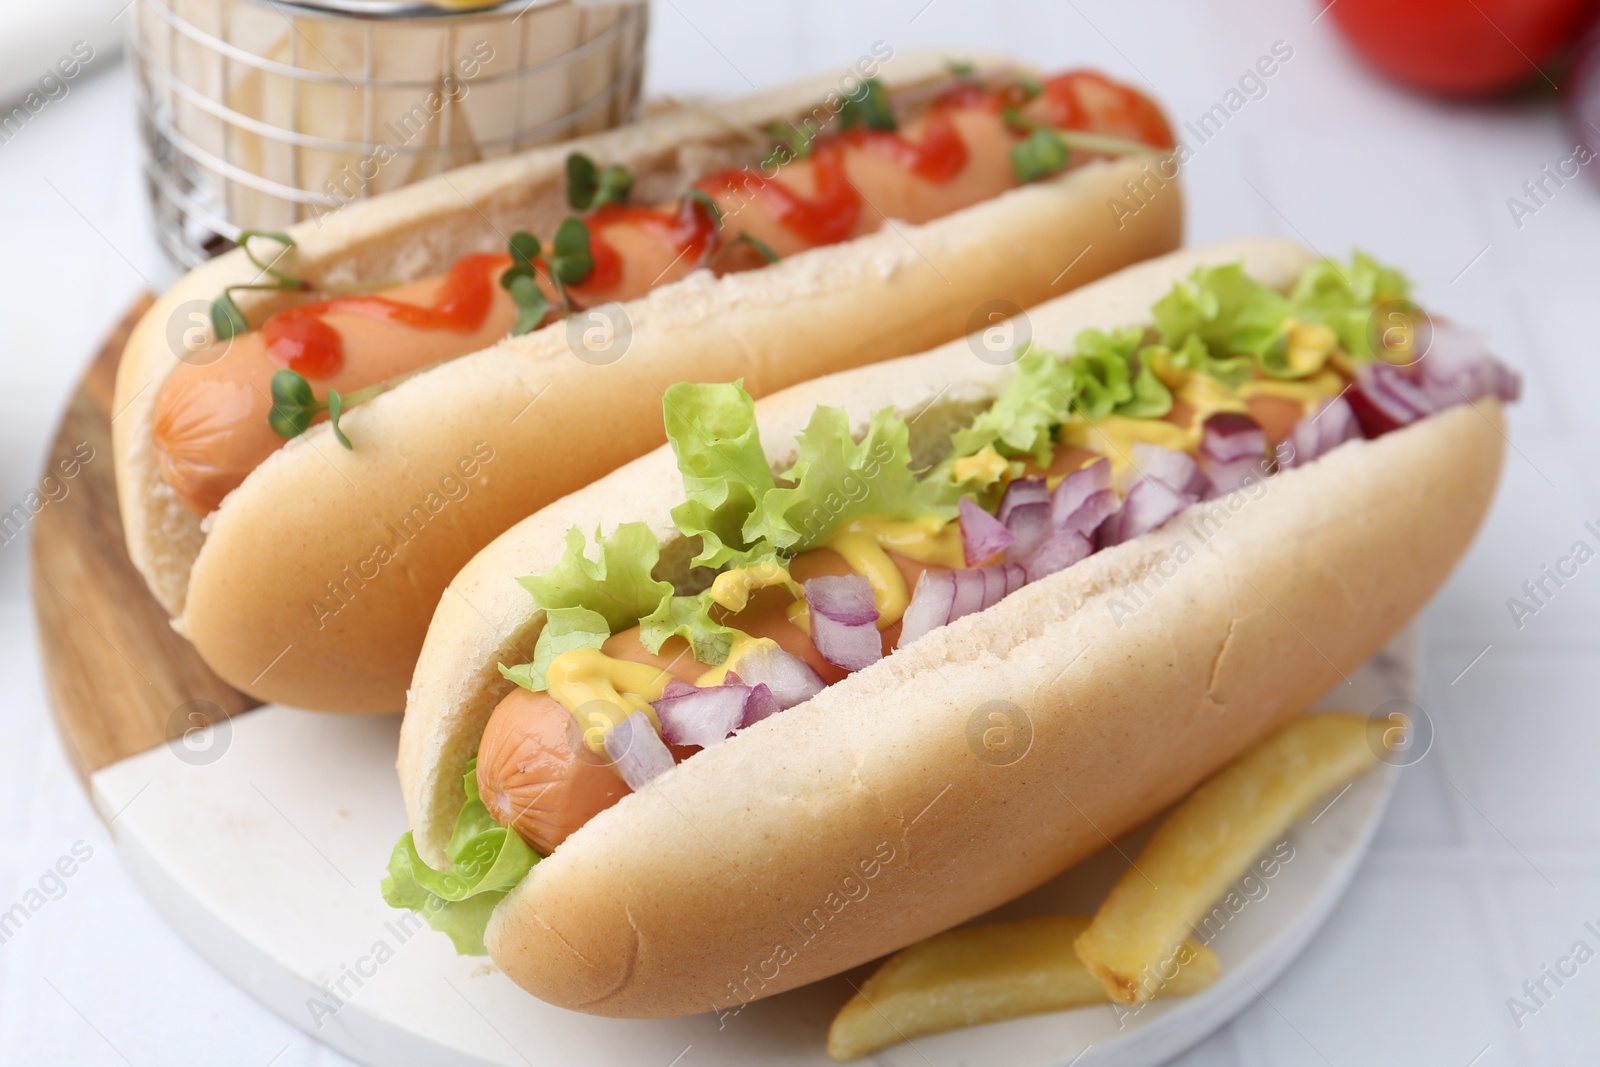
{"points": [[995, 583], [639, 754], [1459, 368], [1507, 383], [1088, 516], [1062, 550], [1109, 532], [845, 598], [788, 678], [1329, 426], [691, 715], [1384, 398], [982, 535], [1081, 503], [1456, 369], [850, 647], [969, 594], [992, 584], [1029, 525], [1176, 470], [1150, 503], [761, 704], [1020, 492], [930, 605], [1231, 435], [1076, 488], [943, 596], [1336, 423], [1226, 477], [844, 621], [1016, 578], [1233, 448]]}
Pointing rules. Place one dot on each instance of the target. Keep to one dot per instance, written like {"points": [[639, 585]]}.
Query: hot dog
{"points": [[649, 215], [211, 427], [795, 658]]}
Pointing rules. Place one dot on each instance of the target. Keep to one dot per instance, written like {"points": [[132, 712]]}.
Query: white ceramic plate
{"points": [[263, 845]]}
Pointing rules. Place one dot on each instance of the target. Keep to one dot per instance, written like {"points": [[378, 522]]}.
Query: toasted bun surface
{"points": [[863, 820], [313, 583]]}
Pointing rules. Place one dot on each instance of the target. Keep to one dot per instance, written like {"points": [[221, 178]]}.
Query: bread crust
{"points": [[335, 623], [862, 820]]}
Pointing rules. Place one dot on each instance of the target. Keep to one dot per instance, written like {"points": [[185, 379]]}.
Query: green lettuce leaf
{"points": [[689, 617], [698, 619], [1113, 377], [836, 481], [725, 473], [1192, 355], [617, 586], [1101, 374], [1229, 312], [486, 862], [1022, 420], [1343, 298], [1151, 398], [1107, 373], [565, 629]]}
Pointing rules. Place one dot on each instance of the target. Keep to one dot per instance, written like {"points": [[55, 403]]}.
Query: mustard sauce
{"points": [[865, 545], [600, 691]]}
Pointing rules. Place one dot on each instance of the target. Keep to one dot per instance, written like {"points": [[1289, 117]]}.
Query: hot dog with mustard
{"points": [[676, 715]]}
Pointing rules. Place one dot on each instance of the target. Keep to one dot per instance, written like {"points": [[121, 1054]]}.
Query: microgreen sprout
{"points": [[1073, 140], [746, 237], [1039, 155], [570, 262], [869, 107], [590, 187], [226, 318], [295, 406], [710, 206], [795, 141]]}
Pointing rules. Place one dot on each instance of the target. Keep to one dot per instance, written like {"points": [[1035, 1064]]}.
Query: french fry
{"points": [[1210, 840], [982, 974]]}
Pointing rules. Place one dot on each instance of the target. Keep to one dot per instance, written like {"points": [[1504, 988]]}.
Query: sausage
{"points": [[1065, 460], [1277, 416], [534, 772], [886, 187], [210, 426]]}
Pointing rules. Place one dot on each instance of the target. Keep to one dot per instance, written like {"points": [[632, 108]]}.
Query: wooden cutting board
{"points": [[120, 681]]}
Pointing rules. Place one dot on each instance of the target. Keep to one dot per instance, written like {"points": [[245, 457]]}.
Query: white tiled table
{"points": [[1485, 869]]}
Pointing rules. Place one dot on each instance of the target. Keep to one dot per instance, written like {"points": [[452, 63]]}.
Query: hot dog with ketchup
{"points": [[211, 423], [1140, 548], [748, 240]]}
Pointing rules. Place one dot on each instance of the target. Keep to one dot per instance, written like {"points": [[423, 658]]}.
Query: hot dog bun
{"points": [[281, 588], [760, 864]]}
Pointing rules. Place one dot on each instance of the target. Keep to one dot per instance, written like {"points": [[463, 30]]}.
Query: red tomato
{"points": [[1459, 47]]}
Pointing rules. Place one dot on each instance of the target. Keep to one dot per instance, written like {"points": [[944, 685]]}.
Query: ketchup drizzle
{"points": [[938, 158], [300, 339], [689, 231], [1106, 108], [829, 214]]}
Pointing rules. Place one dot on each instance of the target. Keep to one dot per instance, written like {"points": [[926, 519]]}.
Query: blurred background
{"points": [[1485, 870]]}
